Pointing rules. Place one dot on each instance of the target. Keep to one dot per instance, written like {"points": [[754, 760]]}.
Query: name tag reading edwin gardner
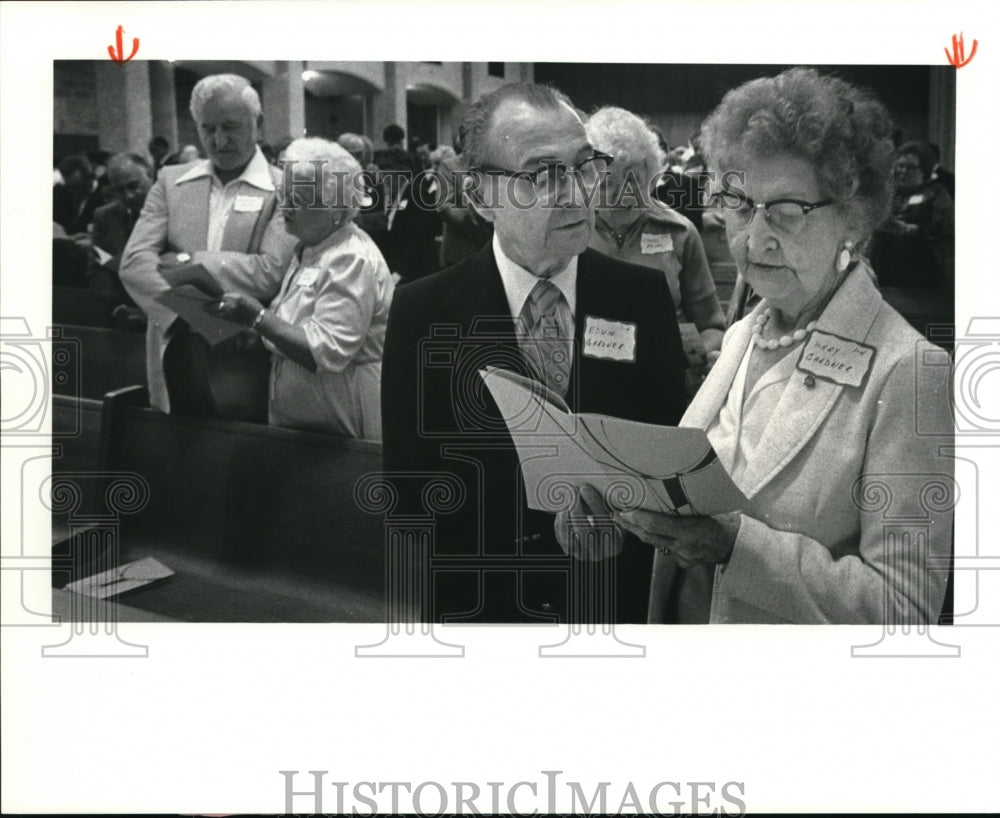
{"points": [[836, 359], [614, 340]]}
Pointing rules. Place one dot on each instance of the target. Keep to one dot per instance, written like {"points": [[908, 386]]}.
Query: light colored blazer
{"points": [[253, 259], [849, 517]]}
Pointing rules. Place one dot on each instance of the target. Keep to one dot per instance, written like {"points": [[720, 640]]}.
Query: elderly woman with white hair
{"points": [[634, 226], [326, 326], [830, 412]]}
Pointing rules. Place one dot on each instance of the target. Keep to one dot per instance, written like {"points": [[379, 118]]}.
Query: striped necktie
{"points": [[547, 345]]}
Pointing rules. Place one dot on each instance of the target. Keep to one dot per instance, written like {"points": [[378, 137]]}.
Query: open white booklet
{"points": [[634, 465]]}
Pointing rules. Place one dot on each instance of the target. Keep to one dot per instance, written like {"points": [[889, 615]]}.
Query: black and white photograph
{"points": [[516, 410]]}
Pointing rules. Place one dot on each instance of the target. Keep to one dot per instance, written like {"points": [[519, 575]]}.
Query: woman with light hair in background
{"points": [[632, 225], [326, 326]]}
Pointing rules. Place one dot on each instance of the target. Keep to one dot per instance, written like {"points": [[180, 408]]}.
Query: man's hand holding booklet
{"points": [[191, 288]]}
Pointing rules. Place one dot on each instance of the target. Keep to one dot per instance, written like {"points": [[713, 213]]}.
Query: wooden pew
{"points": [[78, 306], [259, 523], [109, 359], [76, 432]]}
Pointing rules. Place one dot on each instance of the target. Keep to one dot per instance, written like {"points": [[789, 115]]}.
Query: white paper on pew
{"points": [[635, 465], [103, 256], [124, 578], [189, 303]]}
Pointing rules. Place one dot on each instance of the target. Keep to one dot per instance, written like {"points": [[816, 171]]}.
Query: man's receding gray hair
{"points": [[476, 124], [214, 84]]}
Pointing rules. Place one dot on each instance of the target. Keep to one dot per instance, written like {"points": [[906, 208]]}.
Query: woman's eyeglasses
{"points": [[786, 215], [587, 170]]}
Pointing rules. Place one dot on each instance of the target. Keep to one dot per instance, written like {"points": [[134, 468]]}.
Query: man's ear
{"points": [[479, 205]]}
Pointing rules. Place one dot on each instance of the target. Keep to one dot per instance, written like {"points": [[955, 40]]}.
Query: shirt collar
{"points": [[310, 253], [256, 173], [518, 282]]}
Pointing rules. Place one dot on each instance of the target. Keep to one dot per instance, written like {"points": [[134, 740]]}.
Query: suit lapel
{"points": [[240, 225], [801, 409], [589, 296], [193, 198], [707, 402], [479, 302], [800, 412]]}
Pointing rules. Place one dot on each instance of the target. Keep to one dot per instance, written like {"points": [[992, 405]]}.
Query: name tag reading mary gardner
{"points": [[614, 340], [836, 359]]}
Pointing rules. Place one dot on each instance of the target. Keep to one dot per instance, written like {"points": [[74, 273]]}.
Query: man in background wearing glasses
{"points": [[537, 301]]}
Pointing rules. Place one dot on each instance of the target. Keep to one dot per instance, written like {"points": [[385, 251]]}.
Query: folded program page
{"points": [[635, 465]]}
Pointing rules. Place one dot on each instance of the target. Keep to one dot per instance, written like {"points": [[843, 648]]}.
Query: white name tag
{"points": [[614, 340], [915, 199], [836, 359], [248, 204], [656, 243], [307, 276]]}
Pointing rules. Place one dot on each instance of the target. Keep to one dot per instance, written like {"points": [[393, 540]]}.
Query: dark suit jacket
{"points": [[112, 226], [411, 247], [72, 213], [494, 560]]}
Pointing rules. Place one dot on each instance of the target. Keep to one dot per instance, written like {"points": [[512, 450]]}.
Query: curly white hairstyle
{"points": [[338, 167], [627, 137]]}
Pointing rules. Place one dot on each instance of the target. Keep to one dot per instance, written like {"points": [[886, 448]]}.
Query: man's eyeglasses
{"points": [[588, 170], [786, 215]]}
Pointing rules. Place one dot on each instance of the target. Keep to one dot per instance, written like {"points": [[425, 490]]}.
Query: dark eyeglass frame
{"points": [[717, 199], [561, 168]]}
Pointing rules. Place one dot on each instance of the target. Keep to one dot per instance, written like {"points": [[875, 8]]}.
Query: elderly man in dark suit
{"points": [[130, 176], [494, 560]]}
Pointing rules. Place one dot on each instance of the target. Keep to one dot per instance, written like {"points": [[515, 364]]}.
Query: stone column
{"points": [[389, 106], [284, 103], [124, 112], [163, 96]]}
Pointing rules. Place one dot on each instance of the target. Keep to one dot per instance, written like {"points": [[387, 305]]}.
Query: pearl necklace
{"points": [[784, 340]]}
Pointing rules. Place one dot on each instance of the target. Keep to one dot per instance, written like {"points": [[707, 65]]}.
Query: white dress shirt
{"points": [[222, 197]]}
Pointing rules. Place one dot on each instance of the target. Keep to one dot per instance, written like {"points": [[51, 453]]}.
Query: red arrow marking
{"points": [[119, 55], [957, 54]]}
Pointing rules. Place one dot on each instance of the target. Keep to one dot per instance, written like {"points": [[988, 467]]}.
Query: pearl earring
{"points": [[844, 258]]}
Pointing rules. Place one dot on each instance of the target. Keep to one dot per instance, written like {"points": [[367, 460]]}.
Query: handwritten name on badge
{"points": [[836, 359], [614, 340], [248, 204], [652, 243]]}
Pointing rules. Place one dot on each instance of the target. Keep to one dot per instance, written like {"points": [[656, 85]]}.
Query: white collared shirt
{"points": [[518, 282], [222, 197]]}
